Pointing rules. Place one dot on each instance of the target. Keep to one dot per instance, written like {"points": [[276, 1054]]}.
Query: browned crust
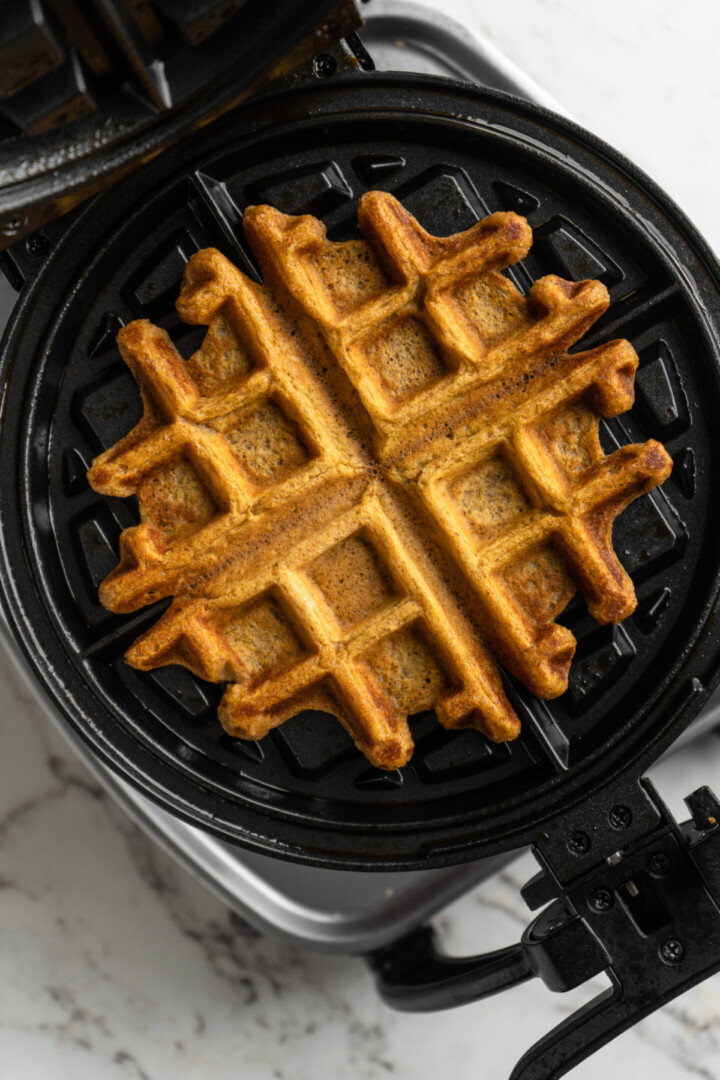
{"points": [[377, 463]]}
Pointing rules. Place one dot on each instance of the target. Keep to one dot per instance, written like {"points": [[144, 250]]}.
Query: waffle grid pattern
{"points": [[494, 413]]}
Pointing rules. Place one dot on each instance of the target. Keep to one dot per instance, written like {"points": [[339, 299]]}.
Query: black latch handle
{"points": [[414, 976], [648, 916]]}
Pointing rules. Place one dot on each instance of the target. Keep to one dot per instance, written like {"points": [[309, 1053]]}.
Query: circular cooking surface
{"points": [[451, 154]]}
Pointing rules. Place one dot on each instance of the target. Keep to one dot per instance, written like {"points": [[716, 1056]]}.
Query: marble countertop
{"points": [[116, 964]]}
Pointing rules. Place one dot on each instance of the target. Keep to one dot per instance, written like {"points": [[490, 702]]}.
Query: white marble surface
{"points": [[114, 963]]}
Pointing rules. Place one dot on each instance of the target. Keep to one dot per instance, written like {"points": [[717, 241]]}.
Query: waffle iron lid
{"points": [[451, 153], [89, 91]]}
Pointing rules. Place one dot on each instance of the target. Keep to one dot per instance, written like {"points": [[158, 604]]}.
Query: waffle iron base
{"points": [[450, 156]]}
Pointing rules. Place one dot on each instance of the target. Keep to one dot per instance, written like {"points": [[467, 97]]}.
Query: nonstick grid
{"points": [[308, 770]]}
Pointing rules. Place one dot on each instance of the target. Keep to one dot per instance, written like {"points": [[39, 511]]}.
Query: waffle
{"points": [[378, 475]]}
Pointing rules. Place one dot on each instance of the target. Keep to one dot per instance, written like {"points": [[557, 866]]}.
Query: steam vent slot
{"points": [[640, 900]]}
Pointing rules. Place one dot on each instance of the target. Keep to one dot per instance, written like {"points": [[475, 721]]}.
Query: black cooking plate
{"points": [[451, 154]]}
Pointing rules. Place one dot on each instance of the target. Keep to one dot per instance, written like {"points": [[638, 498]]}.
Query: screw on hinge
{"points": [[658, 863], [578, 843], [324, 66], [620, 817], [600, 900], [38, 245], [672, 951]]}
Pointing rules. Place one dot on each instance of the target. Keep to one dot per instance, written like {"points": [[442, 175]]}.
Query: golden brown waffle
{"points": [[377, 462]]}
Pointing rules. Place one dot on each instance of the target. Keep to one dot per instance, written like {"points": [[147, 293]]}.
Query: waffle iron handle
{"points": [[647, 915], [414, 976]]}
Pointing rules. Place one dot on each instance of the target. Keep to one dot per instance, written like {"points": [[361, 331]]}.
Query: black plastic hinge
{"points": [[623, 813], [22, 261], [643, 907], [625, 891], [348, 54]]}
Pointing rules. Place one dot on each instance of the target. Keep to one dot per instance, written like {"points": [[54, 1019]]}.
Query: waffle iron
{"points": [[622, 887]]}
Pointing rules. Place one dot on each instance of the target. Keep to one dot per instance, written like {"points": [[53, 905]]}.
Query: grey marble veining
{"points": [[115, 963]]}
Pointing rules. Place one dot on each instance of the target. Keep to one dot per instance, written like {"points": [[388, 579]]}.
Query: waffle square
{"points": [[378, 476]]}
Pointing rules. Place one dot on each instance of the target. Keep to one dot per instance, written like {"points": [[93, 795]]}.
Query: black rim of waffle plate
{"points": [[451, 153]]}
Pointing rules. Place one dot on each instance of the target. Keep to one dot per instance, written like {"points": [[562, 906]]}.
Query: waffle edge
{"points": [[379, 476]]}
